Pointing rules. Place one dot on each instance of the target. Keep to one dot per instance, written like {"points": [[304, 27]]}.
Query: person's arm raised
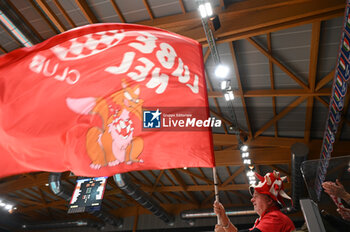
{"points": [[224, 221]]}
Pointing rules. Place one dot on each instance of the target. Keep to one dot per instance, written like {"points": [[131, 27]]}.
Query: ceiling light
{"points": [[8, 207], [208, 9], [250, 173], [225, 84], [227, 97], [205, 10], [231, 95], [244, 148], [245, 154], [221, 71], [247, 161], [252, 182], [202, 11]]}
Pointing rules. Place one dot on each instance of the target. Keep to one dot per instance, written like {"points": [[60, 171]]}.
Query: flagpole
{"points": [[216, 191]]}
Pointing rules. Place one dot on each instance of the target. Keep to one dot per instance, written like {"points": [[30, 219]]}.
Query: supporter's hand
{"points": [[220, 211], [344, 213], [336, 189], [219, 208], [218, 228]]}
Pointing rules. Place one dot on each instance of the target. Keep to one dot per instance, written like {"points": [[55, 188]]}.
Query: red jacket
{"points": [[273, 220]]}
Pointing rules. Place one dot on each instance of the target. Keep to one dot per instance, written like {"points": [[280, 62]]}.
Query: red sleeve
{"points": [[275, 222]]}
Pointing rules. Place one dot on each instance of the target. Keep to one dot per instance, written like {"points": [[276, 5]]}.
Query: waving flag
{"points": [[80, 101]]}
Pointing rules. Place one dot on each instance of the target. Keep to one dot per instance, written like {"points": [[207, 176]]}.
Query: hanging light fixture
{"points": [[205, 9], [247, 161], [221, 71], [245, 154], [244, 148]]}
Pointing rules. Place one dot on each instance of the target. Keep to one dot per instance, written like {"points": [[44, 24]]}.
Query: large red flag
{"points": [[104, 99]]}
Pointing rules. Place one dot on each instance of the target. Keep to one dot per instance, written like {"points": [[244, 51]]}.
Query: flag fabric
{"points": [[346, 44], [337, 96], [75, 101], [339, 82], [342, 63]]}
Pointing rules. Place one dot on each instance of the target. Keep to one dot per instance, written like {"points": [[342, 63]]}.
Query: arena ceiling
{"points": [[282, 56]]}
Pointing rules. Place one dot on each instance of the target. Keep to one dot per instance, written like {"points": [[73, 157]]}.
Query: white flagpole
{"points": [[216, 191]]}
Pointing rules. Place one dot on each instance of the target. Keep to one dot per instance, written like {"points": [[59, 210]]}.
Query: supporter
{"points": [[267, 199]]}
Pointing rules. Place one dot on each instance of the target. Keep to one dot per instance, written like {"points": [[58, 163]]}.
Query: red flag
{"points": [[78, 102]]}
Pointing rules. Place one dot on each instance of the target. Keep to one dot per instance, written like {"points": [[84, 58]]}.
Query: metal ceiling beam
{"points": [[256, 17]]}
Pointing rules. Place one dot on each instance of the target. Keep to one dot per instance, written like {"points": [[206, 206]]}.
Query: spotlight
{"points": [[247, 161], [245, 154], [250, 173], [225, 85], [231, 95], [252, 182], [208, 9], [221, 71], [205, 10], [244, 148], [8, 207]]}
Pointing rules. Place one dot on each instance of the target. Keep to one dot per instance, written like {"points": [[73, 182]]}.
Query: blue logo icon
{"points": [[151, 119]]}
